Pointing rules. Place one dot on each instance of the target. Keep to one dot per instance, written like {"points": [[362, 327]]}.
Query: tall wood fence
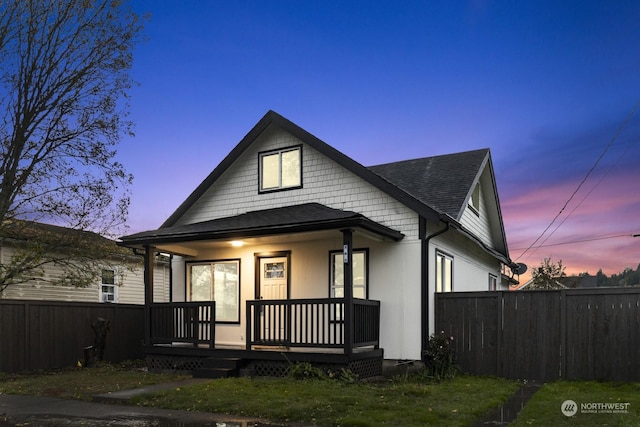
{"points": [[45, 334], [545, 335]]}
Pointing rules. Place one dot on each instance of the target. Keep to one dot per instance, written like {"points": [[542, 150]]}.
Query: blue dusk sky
{"points": [[551, 87]]}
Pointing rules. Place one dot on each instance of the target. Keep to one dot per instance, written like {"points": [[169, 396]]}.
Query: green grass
{"points": [[544, 406], [406, 402], [81, 383]]}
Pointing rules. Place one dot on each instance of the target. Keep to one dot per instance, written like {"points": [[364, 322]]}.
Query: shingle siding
{"points": [[324, 181]]}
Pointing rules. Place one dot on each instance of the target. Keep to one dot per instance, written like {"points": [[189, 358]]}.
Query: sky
{"points": [[551, 87]]}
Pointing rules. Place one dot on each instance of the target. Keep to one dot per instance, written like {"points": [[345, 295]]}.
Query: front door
{"points": [[273, 278], [273, 286]]}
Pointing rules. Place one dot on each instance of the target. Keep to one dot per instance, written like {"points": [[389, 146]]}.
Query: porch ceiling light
{"points": [[237, 243]]}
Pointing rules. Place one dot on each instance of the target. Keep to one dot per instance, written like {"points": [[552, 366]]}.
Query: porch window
{"points": [[108, 286], [360, 274], [217, 281], [281, 169], [444, 272]]}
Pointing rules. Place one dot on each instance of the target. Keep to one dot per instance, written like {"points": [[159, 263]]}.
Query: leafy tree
{"points": [[64, 83], [546, 275]]}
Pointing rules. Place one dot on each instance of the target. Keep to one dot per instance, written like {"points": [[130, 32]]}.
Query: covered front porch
{"points": [[257, 327]]}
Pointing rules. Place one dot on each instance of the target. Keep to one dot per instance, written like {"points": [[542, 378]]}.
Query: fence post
{"points": [[563, 334], [499, 332]]}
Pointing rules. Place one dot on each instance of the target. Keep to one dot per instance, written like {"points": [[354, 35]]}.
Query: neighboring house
{"points": [[303, 248], [121, 281]]}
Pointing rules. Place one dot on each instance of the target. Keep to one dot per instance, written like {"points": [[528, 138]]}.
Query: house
{"points": [[121, 279], [291, 250]]}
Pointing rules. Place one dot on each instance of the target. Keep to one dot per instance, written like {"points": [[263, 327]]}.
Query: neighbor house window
{"points": [[444, 272], [217, 281], [474, 202], [493, 282], [281, 169], [108, 286], [360, 274]]}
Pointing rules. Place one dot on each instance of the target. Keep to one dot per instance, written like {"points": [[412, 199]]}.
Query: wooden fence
{"points": [[587, 334], [45, 334]]}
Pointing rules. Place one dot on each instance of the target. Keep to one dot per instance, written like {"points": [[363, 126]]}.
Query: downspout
{"points": [[424, 280]]}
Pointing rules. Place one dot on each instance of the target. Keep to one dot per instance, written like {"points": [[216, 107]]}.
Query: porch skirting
{"points": [[366, 363]]}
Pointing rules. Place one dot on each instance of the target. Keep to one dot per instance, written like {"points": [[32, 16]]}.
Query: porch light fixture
{"points": [[237, 243]]}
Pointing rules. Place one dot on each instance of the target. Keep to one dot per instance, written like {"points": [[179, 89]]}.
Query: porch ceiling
{"points": [[277, 223]]}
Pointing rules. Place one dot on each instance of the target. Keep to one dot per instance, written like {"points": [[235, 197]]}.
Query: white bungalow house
{"points": [[290, 250], [121, 279]]}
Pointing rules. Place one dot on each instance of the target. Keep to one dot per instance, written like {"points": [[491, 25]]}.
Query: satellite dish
{"points": [[521, 268]]}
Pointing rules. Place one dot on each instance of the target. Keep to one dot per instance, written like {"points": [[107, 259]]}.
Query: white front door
{"points": [[273, 278], [273, 286]]}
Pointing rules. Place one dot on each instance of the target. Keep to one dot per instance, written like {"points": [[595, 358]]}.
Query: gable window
{"points": [[281, 169], [108, 286], [444, 272], [493, 282], [217, 281], [474, 201], [360, 274]]}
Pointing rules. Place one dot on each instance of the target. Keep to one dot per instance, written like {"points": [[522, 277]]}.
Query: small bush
{"points": [[440, 358], [305, 371]]}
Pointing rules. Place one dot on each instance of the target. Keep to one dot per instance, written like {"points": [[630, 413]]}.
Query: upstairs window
{"points": [[281, 169], [474, 201], [108, 286]]}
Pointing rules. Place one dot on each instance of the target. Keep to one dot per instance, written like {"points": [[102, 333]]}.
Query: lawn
{"points": [[82, 383], [598, 398], [399, 401]]}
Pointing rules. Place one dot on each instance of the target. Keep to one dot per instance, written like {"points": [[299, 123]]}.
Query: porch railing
{"points": [[182, 322], [311, 323]]}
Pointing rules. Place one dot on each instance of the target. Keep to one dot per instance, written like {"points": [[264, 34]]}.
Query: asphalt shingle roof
{"points": [[441, 182]]}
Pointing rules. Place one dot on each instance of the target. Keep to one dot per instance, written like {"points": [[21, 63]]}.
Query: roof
{"points": [[288, 219], [442, 182], [275, 119]]}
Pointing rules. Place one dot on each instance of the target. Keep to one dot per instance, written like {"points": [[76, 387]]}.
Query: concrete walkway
{"points": [[111, 409]]}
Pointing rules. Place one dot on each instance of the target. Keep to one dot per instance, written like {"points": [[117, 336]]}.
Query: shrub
{"points": [[439, 357]]}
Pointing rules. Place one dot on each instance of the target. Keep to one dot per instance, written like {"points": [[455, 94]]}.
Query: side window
{"points": [[108, 286], [281, 169], [493, 282], [474, 202], [444, 272], [360, 274], [217, 281]]}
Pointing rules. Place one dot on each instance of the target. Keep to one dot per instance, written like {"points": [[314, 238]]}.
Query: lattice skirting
{"points": [[173, 364], [363, 368]]}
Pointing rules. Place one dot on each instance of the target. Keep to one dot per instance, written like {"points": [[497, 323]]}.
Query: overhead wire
{"points": [[611, 141]]}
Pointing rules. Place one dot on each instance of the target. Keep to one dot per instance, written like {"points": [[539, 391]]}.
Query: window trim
{"points": [[279, 151], [444, 255], [188, 296], [366, 271], [474, 200], [101, 294], [493, 282]]}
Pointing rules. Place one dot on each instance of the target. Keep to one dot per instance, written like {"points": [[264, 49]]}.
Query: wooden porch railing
{"points": [[181, 322], [311, 323]]}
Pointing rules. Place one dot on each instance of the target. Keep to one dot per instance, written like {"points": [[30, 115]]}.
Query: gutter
{"points": [[424, 279]]}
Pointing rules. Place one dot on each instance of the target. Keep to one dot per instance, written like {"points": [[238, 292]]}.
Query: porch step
{"points": [[218, 367]]}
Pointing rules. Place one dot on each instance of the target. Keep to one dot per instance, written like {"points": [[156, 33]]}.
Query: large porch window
{"points": [[217, 281], [360, 274]]}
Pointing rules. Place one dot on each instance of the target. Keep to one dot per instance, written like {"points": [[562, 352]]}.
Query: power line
{"points": [[581, 241], [615, 136]]}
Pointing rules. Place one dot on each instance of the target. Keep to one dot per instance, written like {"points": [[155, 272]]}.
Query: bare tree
{"points": [[64, 83]]}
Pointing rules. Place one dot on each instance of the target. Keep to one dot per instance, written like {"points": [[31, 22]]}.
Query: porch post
{"points": [[149, 254], [347, 257]]}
